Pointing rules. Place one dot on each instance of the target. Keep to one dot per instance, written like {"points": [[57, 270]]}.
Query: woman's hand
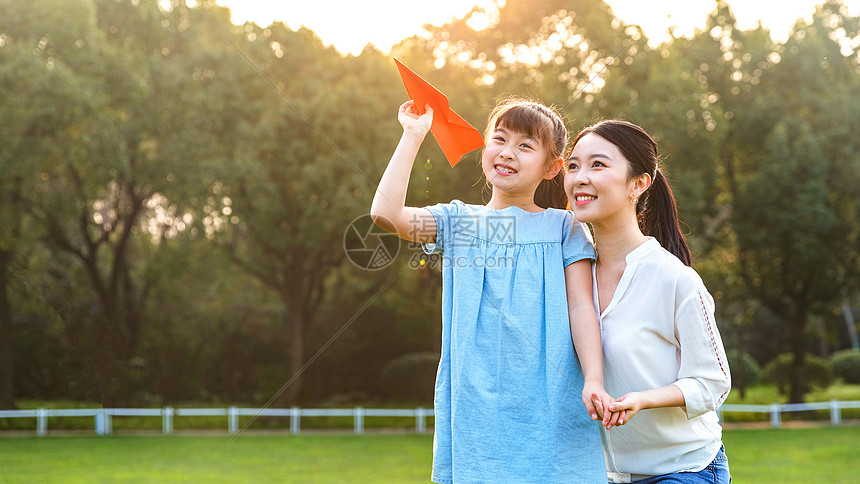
{"points": [[627, 406], [412, 121]]}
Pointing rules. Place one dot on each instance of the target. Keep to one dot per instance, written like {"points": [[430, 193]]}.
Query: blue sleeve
{"points": [[576, 241], [443, 213]]}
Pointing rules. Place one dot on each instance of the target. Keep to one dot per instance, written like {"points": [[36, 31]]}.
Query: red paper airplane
{"points": [[454, 134]]}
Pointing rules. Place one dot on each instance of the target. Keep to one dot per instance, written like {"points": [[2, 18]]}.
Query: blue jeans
{"points": [[717, 472]]}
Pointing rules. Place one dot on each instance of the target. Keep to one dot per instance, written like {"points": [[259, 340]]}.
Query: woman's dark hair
{"points": [[656, 211], [542, 123]]}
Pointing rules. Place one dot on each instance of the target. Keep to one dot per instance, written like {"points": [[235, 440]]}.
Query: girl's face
{"points": [[598, 183], [514, 162]]}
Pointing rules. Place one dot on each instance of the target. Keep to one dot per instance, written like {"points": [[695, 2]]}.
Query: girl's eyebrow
{"points": [[508, 132]]}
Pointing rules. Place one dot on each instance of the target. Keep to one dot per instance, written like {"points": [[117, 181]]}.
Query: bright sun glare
{"points": [[351, 25]]}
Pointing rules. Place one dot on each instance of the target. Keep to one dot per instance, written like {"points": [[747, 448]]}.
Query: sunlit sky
{"points": [[349, 25]]}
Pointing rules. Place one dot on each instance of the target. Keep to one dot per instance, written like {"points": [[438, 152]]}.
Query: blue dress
{"points": [[508, 398]]}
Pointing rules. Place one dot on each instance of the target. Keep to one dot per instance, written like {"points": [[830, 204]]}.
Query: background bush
{"points": [[846, 365], [411, 377], [778, 371]]}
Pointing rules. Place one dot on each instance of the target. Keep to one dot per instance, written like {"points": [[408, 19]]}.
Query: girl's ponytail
{"points": [[550, 193], [658, 217]]}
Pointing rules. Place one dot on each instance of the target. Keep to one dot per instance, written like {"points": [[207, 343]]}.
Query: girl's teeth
{"points": [[505, 170]]}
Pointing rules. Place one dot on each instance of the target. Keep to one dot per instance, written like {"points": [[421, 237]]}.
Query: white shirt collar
{"points": [[642, 251]]}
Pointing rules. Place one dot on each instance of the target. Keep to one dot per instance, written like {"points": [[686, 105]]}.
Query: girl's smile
{"points": [[504, 170]]}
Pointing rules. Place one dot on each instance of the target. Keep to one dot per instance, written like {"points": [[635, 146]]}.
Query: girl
{"points": [[661, 347], [508, 385]]}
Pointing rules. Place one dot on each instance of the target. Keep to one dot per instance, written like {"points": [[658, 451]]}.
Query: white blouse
{"points": [[659, 330]]}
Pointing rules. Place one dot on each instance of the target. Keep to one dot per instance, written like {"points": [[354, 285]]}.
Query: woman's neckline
{"points": [[636, 252]]}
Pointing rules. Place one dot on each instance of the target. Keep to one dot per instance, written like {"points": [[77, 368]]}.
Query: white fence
{"points": [[103, 417], [776, 410]]}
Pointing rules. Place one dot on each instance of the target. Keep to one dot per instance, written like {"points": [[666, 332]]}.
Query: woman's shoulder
{"points": [[685, 278]]}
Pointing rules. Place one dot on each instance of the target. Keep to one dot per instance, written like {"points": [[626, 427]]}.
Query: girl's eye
{"points": [[526, 146], [499, 138]]}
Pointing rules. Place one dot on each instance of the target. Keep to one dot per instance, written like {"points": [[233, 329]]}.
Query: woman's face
{"points": [[597, 182]]}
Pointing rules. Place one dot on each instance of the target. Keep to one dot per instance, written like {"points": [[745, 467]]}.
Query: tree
{"points": [[128, 134], [40, 103], [297, 166], [793, 172]]}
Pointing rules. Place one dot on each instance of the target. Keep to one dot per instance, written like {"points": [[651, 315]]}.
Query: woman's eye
{"points": [[598, 163], [572, 166]]}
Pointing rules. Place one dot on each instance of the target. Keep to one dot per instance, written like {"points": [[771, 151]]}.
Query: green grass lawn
{"points": [[755, 456], [826, 454], [250, 458]]}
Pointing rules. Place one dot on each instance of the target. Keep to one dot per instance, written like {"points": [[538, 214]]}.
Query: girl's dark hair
{"points": [[541, 123], [656, 211]]}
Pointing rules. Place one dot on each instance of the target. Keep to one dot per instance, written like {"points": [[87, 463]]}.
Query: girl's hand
{"points": [[627, 406], [414, 122], [596, 400]]}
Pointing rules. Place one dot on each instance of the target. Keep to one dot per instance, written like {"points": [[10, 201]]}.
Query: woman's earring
{"points": [[634, 200]]}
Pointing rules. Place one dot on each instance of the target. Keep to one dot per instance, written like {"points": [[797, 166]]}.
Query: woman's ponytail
{"points": [[658, 217]]}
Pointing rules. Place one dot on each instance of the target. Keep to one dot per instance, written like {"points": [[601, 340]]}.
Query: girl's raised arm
{"points": [[389, 209]]}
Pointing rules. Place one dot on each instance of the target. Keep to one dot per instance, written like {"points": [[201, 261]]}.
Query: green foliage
{"points": [[779, 372], [765, 394], [846, 365]]}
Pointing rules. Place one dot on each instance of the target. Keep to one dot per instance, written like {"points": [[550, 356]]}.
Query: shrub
{"points": [[750, 365], [846, 365], [778, 371], [410, 377]]}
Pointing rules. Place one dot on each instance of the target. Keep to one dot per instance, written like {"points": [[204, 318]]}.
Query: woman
{"points": [[661, 347]]}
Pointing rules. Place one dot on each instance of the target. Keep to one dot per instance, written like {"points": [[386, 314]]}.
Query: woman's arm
{"points": [[703, 380], [631, 403], [389, 209], [704, 376], [585, 333]]}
